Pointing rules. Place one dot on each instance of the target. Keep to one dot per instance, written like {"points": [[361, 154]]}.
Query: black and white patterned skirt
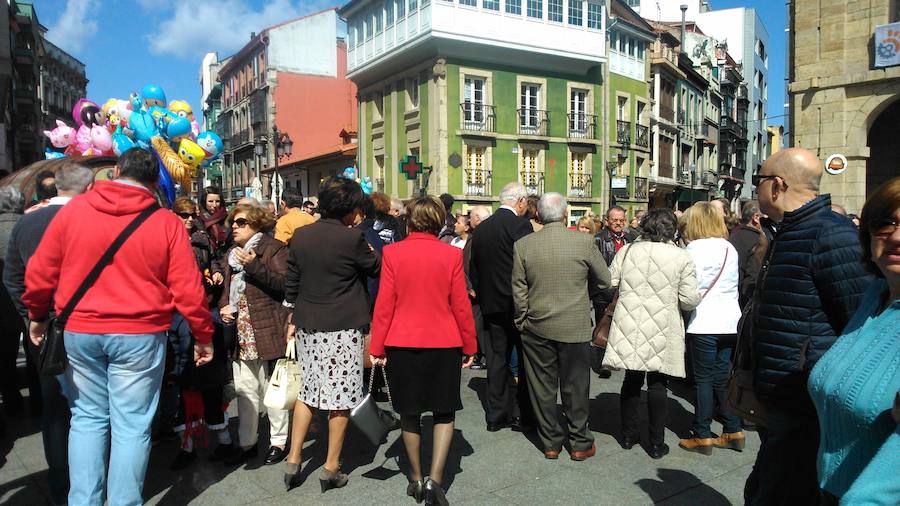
{"points": [[331, 368]]}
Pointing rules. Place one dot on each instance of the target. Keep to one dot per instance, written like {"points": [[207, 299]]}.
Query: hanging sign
{"points": [[836, 164], [412, 167]]}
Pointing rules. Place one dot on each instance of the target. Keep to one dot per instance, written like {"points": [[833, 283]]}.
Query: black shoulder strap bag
{"points": [[52, 358]]}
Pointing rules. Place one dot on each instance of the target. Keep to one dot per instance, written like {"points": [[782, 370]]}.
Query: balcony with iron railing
{"points": [[641, 188], [666, 170], [534, 122], [379, 184], [582, 126], [623, 132], [533, 181], [684, 176], [682, 117], [580, 185], [478, 183], [477, 118], [642, 136]]}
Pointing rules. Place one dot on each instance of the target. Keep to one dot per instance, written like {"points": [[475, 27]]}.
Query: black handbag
{"points": [[740, 395], [52, 358], [371, 420]]}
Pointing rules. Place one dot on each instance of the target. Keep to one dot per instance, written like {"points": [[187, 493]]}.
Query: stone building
{"points": [[63, 82], [840, 102]]}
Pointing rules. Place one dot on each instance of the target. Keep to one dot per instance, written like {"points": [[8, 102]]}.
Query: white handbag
{"points": [[284, 384]]}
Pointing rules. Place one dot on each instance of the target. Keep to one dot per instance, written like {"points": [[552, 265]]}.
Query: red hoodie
{"points": [[152, 274]]}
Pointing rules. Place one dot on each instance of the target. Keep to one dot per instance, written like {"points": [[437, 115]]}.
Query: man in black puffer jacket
{"points": [[810, 284]]}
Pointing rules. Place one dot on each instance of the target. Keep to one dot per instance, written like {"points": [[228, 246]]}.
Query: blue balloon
{"points": [[211, 143], [49, 154], [178, 127], [121, 143], [143, 126], [367, 185], [153, 92]]}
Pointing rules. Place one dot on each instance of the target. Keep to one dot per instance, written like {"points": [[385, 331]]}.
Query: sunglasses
{"points": [[185, 216], [241, 222], [883, 228], [757, 179]]}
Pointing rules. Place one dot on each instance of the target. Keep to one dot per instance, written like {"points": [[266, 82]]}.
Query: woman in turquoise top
{"points": [[855, 384]]}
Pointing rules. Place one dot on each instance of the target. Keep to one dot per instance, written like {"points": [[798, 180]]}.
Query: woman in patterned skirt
{"points": [[326, 285]]}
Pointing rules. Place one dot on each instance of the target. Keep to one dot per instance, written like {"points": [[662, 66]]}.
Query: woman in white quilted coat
{"points": [[712, 328], [656, 282]]}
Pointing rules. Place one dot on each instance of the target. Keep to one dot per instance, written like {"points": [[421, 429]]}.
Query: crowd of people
{"points": [[194, 308]]}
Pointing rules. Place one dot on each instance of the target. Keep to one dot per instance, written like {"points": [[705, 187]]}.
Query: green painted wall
{"points": [[634, 88]]}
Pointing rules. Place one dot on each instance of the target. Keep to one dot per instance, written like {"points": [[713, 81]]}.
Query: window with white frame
{"points": [[535, 9], [473, 103], [555, 10], [578, 174], [379, 16], [530, 170], [595, 15], [530, 104], [412, 92], [514, 6], [578, 119], [413, 5], [401, 9], [378, 100], [622, 108], [473, 3], [491, 5], [576, 12], [389, 13], [640, 112]]}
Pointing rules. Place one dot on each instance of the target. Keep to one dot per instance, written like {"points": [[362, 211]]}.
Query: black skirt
{"points": [[424, 379]]}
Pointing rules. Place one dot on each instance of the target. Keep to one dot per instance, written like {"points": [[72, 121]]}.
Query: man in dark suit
{"points": [[491, 272]]}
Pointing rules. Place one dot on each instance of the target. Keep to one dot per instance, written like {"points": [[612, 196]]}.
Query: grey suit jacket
{"points": [[551, 272]]}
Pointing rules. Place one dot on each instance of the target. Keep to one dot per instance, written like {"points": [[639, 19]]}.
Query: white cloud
{"points": [[76, 25], [195, 29]]}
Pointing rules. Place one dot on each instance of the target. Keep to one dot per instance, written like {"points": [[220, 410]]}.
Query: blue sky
{"points": [[129, 43]]}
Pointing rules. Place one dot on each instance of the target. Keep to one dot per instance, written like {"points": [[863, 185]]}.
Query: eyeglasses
{"points": [[241, 222], [883, 228], [185, 216], [757, 179]]}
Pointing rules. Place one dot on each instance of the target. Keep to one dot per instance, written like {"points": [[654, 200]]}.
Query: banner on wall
{"points": [[887, 45]]}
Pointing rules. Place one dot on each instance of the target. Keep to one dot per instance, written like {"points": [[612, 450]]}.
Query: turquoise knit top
{"points": [[853, 387]]}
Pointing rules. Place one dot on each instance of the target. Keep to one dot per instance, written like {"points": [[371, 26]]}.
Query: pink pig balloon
{"points": [[101, 139]]}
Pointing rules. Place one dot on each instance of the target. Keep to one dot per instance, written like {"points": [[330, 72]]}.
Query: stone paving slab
{"points": [[502, 468]]}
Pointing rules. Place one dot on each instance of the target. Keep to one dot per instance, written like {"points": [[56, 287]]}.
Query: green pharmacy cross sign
{"points": [[412, 167]]}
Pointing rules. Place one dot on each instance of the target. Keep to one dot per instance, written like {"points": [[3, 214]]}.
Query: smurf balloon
{"points": [[152, 95], [211, 143], [143, 126], [62, 136], [190, 153]]}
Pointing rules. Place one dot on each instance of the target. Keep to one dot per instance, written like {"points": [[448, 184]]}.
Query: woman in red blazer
{"points": [[422, 331]]}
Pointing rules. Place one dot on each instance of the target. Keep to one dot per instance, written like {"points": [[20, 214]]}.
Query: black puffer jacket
{"points": [[811, 283]]}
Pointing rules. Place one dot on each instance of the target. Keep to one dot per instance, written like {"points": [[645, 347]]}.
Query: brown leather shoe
{"points": [[584, 454], [698, 445], [551, 454], [731, 440]]}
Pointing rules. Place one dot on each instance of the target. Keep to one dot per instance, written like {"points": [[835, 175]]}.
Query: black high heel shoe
{"points": [[434, 493], [292, 480], [416, 490], [330, 480]]}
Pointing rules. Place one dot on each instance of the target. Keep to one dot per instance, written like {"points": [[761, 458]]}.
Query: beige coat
{"points": [[656, 283]]}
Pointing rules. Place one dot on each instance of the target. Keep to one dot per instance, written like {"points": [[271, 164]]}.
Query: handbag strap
{"points": [[716, 279], [624, 257], [104, 260], [384, 375]]}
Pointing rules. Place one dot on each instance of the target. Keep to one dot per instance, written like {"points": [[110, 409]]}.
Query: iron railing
{"points": [[477, 117], [642, 136], [580, 185], [533, 121], [478, 182], [623, 132], [533, 181], [641, 188], [582, 126]]}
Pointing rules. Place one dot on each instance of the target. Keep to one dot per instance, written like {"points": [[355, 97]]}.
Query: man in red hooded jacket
{"points": [[115, 337]]}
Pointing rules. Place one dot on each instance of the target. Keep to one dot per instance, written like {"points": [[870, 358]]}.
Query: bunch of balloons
{"points": [[147, 121]]}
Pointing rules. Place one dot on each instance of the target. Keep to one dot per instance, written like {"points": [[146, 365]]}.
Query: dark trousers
{"points": [[785, 468], [481, 332], [657, 400], [553, 366], [55, 418], [504, 401], [711, 357]]}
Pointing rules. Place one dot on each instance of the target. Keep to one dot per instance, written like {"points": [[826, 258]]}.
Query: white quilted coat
{"points": [[656, 283]]}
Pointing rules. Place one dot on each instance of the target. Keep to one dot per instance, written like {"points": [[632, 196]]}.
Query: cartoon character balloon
{"points": [[366, 185], [62, 136], [183, 109], [178, 129], [349, 173], [101, 140], [117, 112], [87, 112], [143, 126], [152, 95], [211, 143], [190, 153], [121, 143]]}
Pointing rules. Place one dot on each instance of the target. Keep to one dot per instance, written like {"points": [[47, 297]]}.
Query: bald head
{"points": [[800, 168]]}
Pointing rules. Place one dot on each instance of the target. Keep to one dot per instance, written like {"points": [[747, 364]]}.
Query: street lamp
{"points": [[284, 147]]}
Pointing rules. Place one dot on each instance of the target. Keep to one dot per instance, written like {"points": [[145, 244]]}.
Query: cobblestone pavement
{"points": [[502, 468]]}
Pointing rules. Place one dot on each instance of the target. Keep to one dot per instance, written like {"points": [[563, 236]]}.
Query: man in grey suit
{"points": [[552, 269]]}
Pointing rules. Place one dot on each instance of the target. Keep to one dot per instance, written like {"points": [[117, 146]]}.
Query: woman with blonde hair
{"points": [[712, 328], [587, 225]]}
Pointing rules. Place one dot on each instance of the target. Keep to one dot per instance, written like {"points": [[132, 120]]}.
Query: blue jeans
{"points": [[711, 355], [114, 382]]}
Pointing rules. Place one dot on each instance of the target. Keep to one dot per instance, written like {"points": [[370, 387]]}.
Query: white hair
{"points": [[552, 207], [482, 212], [396, 204], [73, 177], [512, 192], [11, 200]]}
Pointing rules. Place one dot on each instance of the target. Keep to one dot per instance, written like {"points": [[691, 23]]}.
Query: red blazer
{"points": [[422, 300]]}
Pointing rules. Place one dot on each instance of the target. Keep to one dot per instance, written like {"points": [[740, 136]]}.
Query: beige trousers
{"points": [[251, 377]]}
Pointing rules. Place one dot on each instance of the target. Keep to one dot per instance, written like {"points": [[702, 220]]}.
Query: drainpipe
{"points": [[607, 173], [683, 13]]}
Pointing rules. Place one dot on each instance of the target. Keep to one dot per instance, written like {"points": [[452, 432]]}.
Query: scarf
{"points": [[238, 285], [214, 223]]}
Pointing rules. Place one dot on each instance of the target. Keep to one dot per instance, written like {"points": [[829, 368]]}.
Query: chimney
{"points": [[683, 13]]}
